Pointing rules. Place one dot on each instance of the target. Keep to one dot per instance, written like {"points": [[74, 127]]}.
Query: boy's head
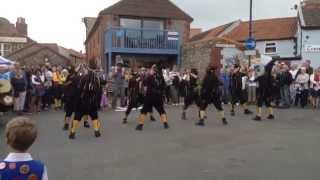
{"points": [[21, 133]]}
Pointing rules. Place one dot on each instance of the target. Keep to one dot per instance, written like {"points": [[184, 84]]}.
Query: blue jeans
{"points": [[285, 95], [225, 95]]}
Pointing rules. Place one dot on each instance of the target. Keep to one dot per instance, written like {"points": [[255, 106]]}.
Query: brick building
{"points": [[36, 54], [13, 37], [139, 30]]}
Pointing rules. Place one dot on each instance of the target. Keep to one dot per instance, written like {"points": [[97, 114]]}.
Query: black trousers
{"points": [[263, 100], [238, 96], [155, 101], [69, 107], [215, 100], [134, 102], [191, 98], [86, 109], [302, 96]]}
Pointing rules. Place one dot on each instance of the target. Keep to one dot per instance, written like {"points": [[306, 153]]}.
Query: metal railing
{"points": [[142, 39]]}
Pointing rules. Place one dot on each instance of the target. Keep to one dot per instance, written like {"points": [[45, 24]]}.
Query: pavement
{"points": [[283, 149]]}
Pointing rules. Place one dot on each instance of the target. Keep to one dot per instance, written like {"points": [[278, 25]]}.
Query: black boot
{"points": [[247, 112], [152, 119], [86, 124], [66, 127], [257, 118], [139, 127], [200, 123], [124, 121], [271, 116], [224, 121], [97, 134], [184, 116], [72, 135], [166, 125]]}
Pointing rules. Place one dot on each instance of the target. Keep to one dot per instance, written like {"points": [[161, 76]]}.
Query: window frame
{"points": [[270, 46], [142, 21]]}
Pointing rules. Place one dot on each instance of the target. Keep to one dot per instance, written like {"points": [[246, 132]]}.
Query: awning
{"points": [[4, 61]]}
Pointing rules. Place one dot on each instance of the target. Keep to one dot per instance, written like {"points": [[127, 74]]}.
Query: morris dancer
{"points": [[88, 94], [155, 86], [210, 95]]}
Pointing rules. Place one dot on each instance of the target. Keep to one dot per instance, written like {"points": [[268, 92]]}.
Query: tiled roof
{"points": [[265, 29], [311, 13], [194, 31], [36, 47], [210, 33], [147, 8]]}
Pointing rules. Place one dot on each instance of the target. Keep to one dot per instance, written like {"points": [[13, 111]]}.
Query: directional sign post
{"points": [[250, 44]]}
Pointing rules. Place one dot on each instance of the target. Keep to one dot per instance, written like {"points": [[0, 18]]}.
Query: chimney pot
{"points": [[21, 26]]}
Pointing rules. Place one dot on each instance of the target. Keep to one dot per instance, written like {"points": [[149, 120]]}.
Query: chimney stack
{"points": [[21, 26]]}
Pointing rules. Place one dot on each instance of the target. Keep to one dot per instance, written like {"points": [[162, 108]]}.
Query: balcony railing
{"points": [[142, 40]]}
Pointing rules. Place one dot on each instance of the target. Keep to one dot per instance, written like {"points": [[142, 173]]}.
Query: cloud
{"points": [[59, 21]]}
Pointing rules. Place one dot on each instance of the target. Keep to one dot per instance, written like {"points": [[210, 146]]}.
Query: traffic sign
{"points": [[250, 52], [250, 43]]}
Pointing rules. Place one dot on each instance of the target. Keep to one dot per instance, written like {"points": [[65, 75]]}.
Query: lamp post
{"points": [[250, 28]]}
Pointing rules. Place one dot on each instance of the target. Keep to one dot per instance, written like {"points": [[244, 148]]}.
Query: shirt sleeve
{"points": [[33, 79], [45, 174]]}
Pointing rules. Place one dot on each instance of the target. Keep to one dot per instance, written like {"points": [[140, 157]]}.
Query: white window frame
{"points": [[1, 49], [275, 45]]}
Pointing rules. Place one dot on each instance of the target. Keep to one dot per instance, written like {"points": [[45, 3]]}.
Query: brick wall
{"points": [[183, 27], [95, 44]]}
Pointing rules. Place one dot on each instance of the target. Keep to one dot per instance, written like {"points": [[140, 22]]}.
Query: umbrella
{"points": [[4, 61]]}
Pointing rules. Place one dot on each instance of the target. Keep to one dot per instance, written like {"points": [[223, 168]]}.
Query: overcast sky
{"points": [[59, 21]]}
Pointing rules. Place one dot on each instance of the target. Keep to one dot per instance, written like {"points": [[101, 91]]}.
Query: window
{"points": [[1, 50], [5, 49], [271, 48], [16, 46], [154, 25], [130, 23], [142, 23], [148, 24]]}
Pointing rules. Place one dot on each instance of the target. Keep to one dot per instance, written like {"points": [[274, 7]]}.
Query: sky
{"points": [[60, 21]]}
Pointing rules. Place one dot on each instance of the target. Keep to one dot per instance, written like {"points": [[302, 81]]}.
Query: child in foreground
{"points": [[20, 134]]}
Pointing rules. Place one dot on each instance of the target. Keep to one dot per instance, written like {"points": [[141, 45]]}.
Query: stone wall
{"points": [[197, 55]]}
